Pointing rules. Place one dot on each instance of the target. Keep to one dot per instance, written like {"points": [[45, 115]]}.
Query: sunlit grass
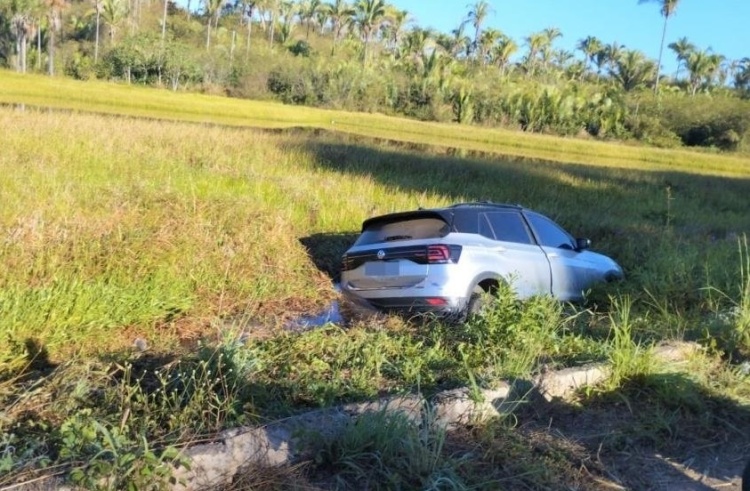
{"points": [[118, 229], [146, 102], [110, 224]]}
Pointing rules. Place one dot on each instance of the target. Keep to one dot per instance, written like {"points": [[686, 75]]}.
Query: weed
{"points": [[387, 450], [627, 357], [731, 323], [743, 305], [510, 337]]}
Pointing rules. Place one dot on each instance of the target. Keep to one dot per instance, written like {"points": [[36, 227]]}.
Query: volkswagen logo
{"points": [[381, 254]]}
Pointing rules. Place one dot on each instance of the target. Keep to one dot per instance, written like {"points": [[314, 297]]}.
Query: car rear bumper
{"points": [[412, 306]]}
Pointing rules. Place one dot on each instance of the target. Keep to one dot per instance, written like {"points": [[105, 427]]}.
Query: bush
{"points": [[80, 67], [721, 122], [301, 48]]}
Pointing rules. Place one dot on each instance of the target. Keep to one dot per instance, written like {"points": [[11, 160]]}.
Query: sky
{"points": [[723, 25]]}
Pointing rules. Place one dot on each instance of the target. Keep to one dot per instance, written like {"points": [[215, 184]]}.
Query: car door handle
{"points": [[553, 254], [500, 249]]}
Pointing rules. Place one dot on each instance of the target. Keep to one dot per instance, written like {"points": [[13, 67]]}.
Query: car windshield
{"points": [[404, 229]]}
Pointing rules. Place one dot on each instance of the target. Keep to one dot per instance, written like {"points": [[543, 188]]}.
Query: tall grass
{"points": [[138, 101], [115, 230], [628, 357], [387, 450], [743, 305]]}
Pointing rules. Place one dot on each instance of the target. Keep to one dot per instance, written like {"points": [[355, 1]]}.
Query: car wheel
{"points": [[478, 303]]}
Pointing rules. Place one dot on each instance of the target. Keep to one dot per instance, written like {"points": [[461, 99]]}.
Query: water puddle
{"points": [[331, 315]]}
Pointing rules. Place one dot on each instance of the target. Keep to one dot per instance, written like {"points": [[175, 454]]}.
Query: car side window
{"points": [[509, 227], [484, 227], [549, 233]]}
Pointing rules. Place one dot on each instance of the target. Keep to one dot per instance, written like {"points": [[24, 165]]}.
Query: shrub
{"points": [[721, 122]]}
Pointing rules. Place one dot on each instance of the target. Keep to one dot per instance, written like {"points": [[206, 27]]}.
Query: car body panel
{"points": [[433, 260]]}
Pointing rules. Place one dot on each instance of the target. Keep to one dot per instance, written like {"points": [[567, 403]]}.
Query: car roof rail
{"points": [[485, 203]]}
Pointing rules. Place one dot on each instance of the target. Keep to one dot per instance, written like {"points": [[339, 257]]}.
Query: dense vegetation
{"points": [[153, 267], [370, 56]]}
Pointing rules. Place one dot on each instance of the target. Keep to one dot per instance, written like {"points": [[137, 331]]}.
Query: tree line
{"points": [[369, 55]]}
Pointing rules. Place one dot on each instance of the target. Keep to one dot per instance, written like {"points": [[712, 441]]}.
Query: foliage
{"points": [[708, 121], [509, 338], [378, 61]]}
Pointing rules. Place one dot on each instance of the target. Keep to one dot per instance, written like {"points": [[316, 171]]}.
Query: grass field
{"points": [[115, 232], [136, 101]]}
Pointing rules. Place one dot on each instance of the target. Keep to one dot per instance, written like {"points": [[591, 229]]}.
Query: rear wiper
{"points": [[397, 237]]}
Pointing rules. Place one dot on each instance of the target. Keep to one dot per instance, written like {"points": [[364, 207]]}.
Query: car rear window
{"points": [[406, 229]]}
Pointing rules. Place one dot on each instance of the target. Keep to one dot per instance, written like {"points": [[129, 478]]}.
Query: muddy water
{"points": [[330, 315]]}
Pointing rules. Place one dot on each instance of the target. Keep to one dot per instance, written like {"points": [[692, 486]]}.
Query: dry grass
{"points": [[146, 102]]}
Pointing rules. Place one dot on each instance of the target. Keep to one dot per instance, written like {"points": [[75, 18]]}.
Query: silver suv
{"points": [[442, 260]]}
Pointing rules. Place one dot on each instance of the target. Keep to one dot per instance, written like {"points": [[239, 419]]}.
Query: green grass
{"points": [[186, 236], [112, 98]]}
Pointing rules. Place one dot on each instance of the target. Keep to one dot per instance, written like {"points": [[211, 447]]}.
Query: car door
{"points": [[523, 262], [570, 271]]}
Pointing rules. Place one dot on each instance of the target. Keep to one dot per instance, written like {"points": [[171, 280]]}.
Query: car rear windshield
{"points": [[403, 229]]}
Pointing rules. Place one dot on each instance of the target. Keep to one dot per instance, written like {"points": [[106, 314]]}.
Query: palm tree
{"points": [[610, 55], [590, 47], [682, 49], [397, 21], [340, 13], [369, 15], [98, 8], [457, 42], [54, 17], [113, 12], [551, 33], [248, 9], [212, 11], [668, 8], [269, 8], [415, 44], [286, 14], [699, 66], [22, 26], [308, 13], [504, 49], [742, 76], [477, 15], [723, 68], [487, 40], [562, 57], [576, 69], [714, 72], [537, 42], [632, 70]]}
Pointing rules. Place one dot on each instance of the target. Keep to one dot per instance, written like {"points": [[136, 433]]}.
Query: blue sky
{"points": [[723, 25]]}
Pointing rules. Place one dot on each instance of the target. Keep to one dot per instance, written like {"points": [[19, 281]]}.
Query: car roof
{"points": [[445, 213]]}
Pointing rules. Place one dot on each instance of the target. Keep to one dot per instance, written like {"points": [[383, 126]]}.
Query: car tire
{"points": [[478, 303]]}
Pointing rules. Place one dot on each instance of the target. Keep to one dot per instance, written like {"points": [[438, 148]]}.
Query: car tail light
{"points": [[436, 302], [442, 254]]}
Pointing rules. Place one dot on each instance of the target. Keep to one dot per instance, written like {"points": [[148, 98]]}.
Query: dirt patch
{"points": [[641, 443]]}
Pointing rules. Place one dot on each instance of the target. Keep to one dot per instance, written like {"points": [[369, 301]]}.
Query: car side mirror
{"points": [[583, 244]]}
